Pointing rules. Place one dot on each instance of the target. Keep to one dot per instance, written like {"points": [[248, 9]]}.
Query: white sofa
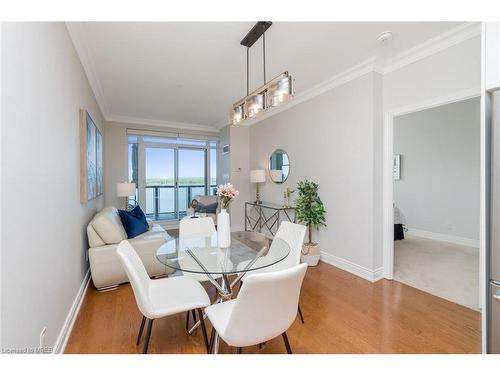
{"points": [[105, 231]]}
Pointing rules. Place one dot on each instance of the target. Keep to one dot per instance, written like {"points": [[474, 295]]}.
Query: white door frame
{"points": [[387, 188]]}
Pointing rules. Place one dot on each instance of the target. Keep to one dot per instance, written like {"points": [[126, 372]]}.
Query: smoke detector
{"points": [[384, 36]]}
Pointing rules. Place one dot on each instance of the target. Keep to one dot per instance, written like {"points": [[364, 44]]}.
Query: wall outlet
{"points": [[42, 337]]}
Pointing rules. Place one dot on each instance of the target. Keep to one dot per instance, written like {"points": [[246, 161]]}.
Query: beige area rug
{"points": [[441, 268]]}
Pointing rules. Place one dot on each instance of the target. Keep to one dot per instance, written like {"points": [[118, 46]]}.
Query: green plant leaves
{"points": [[309, 207]]}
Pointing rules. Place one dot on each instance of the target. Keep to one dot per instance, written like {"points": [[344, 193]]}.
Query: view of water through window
{"points": [[160, 166]]}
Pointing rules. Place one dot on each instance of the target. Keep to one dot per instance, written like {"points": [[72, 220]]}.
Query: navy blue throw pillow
{"points": [[134, 222]]}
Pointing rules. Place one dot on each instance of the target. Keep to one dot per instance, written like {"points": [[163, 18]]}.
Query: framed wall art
{"points": [[91, 158]]}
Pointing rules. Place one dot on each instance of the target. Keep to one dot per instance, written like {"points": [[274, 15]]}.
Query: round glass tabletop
{"points": [[248, 251]]}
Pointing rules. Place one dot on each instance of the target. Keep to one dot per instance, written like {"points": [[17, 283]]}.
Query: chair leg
{"points": [[301, 316], [187, 320], [140, 330], [287, 344], [212, 339], [203, 329], [148, 336], [194, 316], [238, 350]]}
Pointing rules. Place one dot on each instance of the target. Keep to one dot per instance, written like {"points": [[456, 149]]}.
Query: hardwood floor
{"points": [[343, 314]]}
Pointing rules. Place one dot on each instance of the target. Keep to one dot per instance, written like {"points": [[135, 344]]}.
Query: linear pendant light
{"points": [[271, 94]]}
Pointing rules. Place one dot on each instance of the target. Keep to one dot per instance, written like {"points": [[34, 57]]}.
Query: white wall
{"points": [[330, 139], [439, 188], [44, 240]]}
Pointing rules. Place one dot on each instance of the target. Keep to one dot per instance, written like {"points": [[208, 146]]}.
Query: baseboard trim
{"points": [[355, 269], [67, 327], [443, 237]]}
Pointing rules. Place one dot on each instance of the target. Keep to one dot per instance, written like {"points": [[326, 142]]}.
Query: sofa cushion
{"points": [[94, 239], [207, 208], [134, 222], [108, 226], [206, 199]]}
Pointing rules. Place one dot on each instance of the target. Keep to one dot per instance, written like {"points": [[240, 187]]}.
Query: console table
{"points": [[266, 216]]}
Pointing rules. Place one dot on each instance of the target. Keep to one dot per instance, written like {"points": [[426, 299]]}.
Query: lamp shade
{"points": [[125, 189], [258, 175]]}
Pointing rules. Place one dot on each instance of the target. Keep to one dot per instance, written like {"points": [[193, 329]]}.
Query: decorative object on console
{"points": [[91, 162], [257, 176], [310, 211], [286, 196], [279, 166], [226, 194], [271, 94], [125, 190]]}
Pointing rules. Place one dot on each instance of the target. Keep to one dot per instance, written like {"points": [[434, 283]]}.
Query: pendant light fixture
{"points": [[271, 94]]}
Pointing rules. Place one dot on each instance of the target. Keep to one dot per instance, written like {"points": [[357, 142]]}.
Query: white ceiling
{"points": [[191, 73]]}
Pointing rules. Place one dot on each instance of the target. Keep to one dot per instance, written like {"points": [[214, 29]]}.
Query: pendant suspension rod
{"points": [[264, 54], [248, 76]]}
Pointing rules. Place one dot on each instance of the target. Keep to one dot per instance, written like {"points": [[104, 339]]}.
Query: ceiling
{"points": [[191, 72]]}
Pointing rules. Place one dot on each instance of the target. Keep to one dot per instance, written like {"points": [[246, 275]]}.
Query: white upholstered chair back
{"points": [[293, 234], [196, 227], [137, 276], [266, 306]]}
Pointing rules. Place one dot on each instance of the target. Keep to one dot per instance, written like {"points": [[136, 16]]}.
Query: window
{"points": [[169, 171]]}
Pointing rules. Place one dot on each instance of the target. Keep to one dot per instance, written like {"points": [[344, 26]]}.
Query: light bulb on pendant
{"points": [[255, 104], [238, 114], [280, 92]]}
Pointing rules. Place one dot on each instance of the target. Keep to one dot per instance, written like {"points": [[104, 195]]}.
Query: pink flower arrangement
{"points": [[226, 193]]}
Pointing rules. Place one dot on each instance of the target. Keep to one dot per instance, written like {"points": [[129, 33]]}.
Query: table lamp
{"points": [[125, 189], [257, 176]]}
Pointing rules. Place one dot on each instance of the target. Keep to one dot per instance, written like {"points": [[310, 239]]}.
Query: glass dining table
{"points": [[203, 259]]}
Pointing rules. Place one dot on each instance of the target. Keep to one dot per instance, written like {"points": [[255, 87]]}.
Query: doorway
{"points": [[436, 200]]}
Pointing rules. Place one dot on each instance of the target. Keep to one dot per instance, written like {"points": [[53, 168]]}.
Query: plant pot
{"points": [[223, 229], [310, 254]]}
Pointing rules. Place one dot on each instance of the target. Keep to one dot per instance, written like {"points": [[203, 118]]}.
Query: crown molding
{"points": [[434, 45], [75, 32], [160, 123]]}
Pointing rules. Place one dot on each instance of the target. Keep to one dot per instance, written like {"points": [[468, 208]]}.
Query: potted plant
{"points": [[311, 212]]}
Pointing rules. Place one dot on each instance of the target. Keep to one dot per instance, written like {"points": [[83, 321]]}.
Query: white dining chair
{"points": [[161, 297], [196, 227], [293, 234], [265, 308]]}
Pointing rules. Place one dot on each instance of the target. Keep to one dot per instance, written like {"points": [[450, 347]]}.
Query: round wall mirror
{"points": [[279, 166]]}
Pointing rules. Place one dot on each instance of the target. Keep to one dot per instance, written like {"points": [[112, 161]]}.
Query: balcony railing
{"points": [[160, 200]]}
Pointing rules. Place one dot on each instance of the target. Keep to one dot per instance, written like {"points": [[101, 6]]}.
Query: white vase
{"points": [[223, 229]]}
